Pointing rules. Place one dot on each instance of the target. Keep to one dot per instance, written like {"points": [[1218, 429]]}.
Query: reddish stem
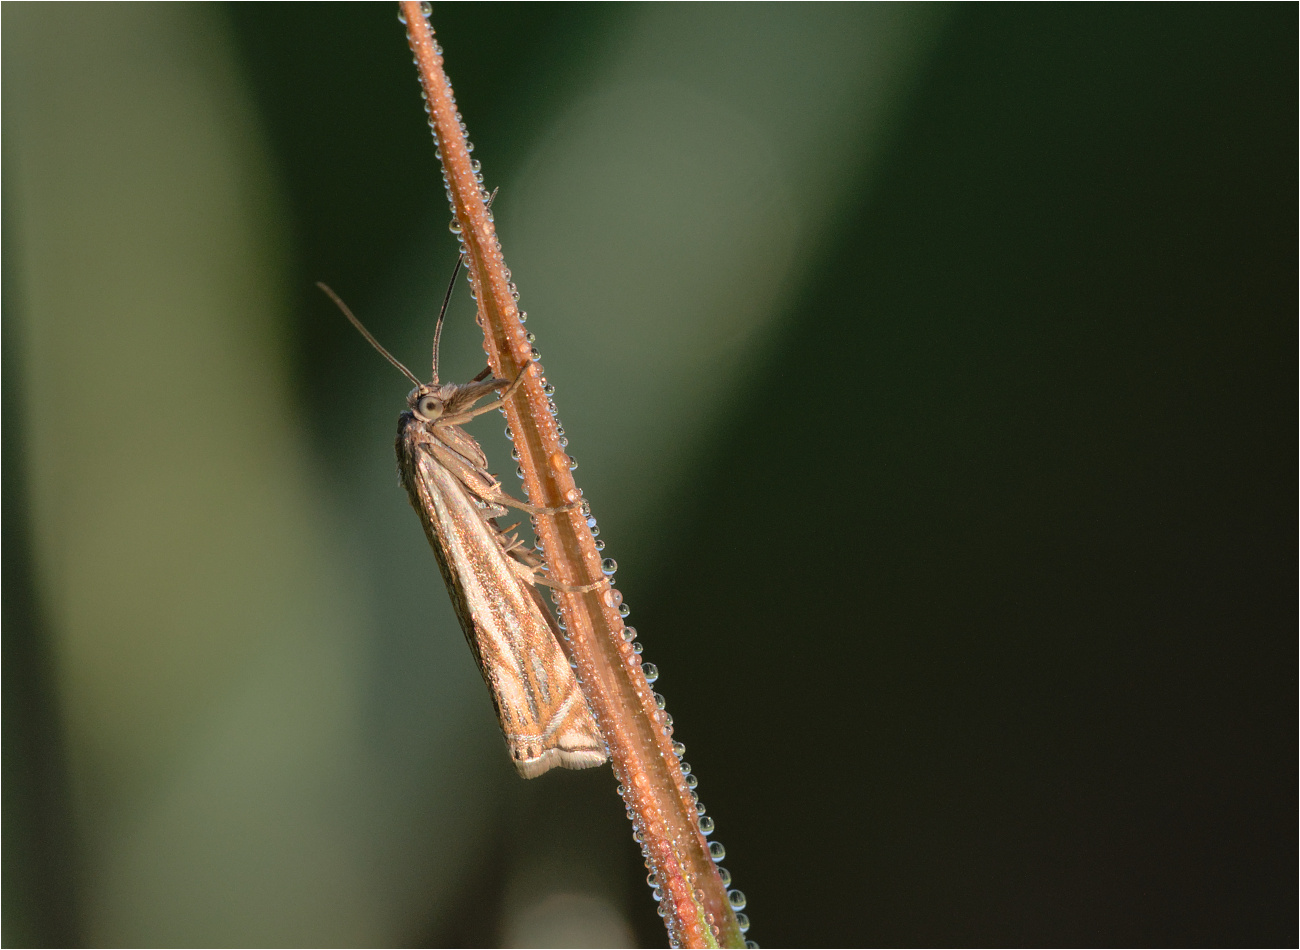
{"points": [[695, 906]]}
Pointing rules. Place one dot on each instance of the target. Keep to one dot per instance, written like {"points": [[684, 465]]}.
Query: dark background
{"points": [[978, 618]]}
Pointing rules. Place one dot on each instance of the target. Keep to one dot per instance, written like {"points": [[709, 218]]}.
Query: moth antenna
{"points": [[366, 333], [442, 315]]}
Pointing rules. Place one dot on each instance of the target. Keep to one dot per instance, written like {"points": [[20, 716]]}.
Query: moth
{"points": [[491, 575]]}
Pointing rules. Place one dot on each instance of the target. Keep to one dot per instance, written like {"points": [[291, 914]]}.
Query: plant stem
{"points": [[694, 904]]}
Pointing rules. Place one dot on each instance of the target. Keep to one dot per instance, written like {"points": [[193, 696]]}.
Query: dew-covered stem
{"points": [[644, 756]]}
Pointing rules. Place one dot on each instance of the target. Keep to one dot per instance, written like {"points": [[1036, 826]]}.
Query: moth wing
{"points": [[540, 706]]}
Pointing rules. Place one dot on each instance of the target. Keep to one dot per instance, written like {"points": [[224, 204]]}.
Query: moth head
{"points": [[427, 403]]}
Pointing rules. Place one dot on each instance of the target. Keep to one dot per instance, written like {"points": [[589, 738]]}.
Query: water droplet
{"points": [[454, 226], [651, 672], [535, 355], [573, 463], [716, 851], [595, 532], [523, 318], [530, 336], [510, 434], [686, 768], [706, 825], [519, 472], [725, 875], [736, 899], [629, 634], [558, 461], [608, 566], [426, 9], [692, 781], [657, 894], [514, 453], [564, 442], [401, 18], [743, 922], [571, 496], [637, 648], [600, 545], [660, 702]]}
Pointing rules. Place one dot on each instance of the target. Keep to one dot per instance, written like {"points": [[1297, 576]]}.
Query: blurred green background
{"points": [[932, 375]]}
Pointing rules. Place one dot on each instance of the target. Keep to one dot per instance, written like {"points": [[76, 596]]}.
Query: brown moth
{"points": [[491, 575]]}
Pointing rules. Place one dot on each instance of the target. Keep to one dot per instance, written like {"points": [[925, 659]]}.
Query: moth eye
{"points": [[429, 408]]}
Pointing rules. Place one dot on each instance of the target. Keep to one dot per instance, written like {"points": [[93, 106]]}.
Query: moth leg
{"points": [[571, 588], [463, 417], [533, 575], [482, 485]]}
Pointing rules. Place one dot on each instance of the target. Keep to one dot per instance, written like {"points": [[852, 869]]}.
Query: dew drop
{"points": [[716, 851], [637, 648], [535, 355], [629, 634], [523, 318], [624, 610], [564, 443], [510, 434], [595, 532], [725, 875], [660, 702], [651, 672], [519, 472], [573, 463], [549, 388], [600, 545], [737, 900], [608, 566], [426, 9], [706, 825], [692, 781], [571, 496], [686, 769], [558, 461]]}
